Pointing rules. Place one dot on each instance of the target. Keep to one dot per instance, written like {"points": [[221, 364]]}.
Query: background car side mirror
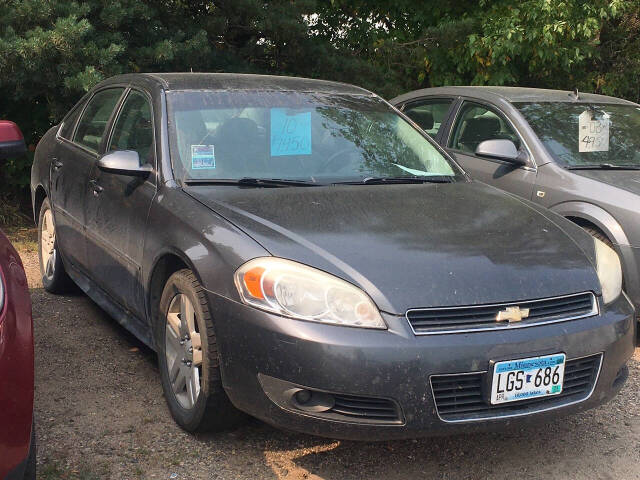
{"points": [[11, 140], [124, 162], [500, 149]]}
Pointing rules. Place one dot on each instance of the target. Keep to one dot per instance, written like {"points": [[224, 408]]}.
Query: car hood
{"points": [[628, 180], [413, 246]]}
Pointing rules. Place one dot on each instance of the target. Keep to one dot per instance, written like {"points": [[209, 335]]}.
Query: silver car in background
{"points": [[576, 154]]}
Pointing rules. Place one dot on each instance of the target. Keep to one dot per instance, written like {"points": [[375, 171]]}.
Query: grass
{"points": [[23, 238], [17, 225]]}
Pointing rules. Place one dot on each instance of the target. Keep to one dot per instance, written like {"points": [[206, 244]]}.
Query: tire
{"points": [[594, 232], [54, 276], [212, 410], [30, 471]]}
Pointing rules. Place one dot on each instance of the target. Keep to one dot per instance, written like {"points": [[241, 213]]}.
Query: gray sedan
{"points": [[299, 251], [577, 154]]}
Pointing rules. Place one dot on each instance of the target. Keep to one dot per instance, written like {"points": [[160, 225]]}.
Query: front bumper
{"points": [[397, 365]]}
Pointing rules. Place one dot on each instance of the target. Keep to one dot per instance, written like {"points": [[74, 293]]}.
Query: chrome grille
{"points": [[462, 397], [426, 321]]}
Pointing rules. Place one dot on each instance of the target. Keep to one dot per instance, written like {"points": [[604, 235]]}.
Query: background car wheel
{"points": [[54, 277], [596, 233], [189, 359]]}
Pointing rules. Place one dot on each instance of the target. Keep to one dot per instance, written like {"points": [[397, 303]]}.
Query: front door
{"points": [[76, 154], [476, 123], [117, 208]]}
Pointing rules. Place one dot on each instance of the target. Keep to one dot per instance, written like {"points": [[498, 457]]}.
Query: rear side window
{"points": [[133, 129], [93, 123], [70, 121], [430, 114], [477, 123]]}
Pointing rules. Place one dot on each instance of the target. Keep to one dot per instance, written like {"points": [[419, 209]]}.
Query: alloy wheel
{"points": [[183, 350], [48, 244]]}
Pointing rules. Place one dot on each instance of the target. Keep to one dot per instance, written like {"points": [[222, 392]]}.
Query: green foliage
{"points": [[53, 51]]}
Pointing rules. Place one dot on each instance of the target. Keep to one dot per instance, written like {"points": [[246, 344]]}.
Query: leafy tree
{"points": [[53, 51]]}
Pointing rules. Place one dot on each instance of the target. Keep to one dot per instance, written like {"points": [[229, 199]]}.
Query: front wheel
{"points": [[54, 277], [189, 359]]}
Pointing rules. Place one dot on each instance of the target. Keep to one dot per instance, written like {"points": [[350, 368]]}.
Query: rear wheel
{"points": [[54, 277], [189, 359]]}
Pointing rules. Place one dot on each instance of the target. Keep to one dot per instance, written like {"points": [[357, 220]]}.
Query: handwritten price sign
{"points": [[290, 134], [593, 132]]}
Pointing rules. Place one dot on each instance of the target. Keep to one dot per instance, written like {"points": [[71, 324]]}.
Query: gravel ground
{"points": [[100, 414]]}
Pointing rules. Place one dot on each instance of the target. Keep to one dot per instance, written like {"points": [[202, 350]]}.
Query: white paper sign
{"points": [[593, 132]]}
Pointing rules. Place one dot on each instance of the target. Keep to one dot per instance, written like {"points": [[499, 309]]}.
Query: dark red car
{"points": [[17, 435]]}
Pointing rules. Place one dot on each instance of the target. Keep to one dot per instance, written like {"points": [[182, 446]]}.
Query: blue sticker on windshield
{"points": [[202, 156], [290, 134]]}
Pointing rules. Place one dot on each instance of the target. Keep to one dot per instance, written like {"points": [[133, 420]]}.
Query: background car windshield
{"points": [[574, 140], [295, 136]]}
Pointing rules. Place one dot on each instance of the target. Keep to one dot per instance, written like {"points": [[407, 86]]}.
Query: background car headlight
{"points": [[609, 271], [297, 291]]}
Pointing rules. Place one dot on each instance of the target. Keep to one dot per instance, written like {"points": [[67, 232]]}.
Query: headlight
{"points": [[304, 293], [609, 271]]}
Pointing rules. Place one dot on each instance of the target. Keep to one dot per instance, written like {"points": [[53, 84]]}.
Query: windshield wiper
{"points": [[603, 166], [251, 182], [391, 180]]}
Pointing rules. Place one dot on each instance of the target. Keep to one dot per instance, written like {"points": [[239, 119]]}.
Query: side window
{"points": [[429, 115], [133, 129], [94, 120], [477, 123], [70, 121]]}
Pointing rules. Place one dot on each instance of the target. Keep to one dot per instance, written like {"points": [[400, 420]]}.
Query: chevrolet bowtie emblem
{"points": [[512, 314]]}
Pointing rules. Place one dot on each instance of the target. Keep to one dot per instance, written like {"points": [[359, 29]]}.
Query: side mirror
{"points": [[124, 162], [11, 140], [500, 149]]}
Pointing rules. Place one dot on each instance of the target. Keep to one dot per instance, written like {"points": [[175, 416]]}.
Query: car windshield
{"points": [[583, 135], [306, 137]]}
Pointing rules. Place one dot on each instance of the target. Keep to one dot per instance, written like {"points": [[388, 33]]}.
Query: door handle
{"points": [[97, 189], [57, 164]]}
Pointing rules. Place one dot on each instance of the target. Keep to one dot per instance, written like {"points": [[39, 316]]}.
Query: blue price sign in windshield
{"points": [[290, 134]]}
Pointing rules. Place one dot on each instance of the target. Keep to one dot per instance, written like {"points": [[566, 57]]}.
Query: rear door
{"points": [[77, 150], [476, 122], [118, 205]]}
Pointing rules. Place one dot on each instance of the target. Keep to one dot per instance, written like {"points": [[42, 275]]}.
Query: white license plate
{"points": [[527, 378]]}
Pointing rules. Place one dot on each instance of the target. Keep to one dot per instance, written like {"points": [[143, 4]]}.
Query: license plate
{"points": [[527, 378]]}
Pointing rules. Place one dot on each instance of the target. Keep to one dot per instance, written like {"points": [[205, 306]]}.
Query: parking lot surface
{"points": [[100, 414]]}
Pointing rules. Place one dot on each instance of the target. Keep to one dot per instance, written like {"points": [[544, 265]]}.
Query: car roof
{"points": [[513, 94], [236, 81]]}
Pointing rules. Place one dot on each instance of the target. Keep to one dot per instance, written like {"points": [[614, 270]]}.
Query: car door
{"points": [[477, 122], [76, 152], [430, 114], [117, 207]]}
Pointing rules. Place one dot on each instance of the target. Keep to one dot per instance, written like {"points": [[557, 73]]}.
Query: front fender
{"points": [[208, 244], [596, 215], [606, 222]]}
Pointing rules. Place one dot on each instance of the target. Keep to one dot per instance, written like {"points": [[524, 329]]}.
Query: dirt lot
{"points": [[100, 414]]}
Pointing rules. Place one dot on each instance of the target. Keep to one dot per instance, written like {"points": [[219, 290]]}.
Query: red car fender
{"points": [[16, 362]]}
